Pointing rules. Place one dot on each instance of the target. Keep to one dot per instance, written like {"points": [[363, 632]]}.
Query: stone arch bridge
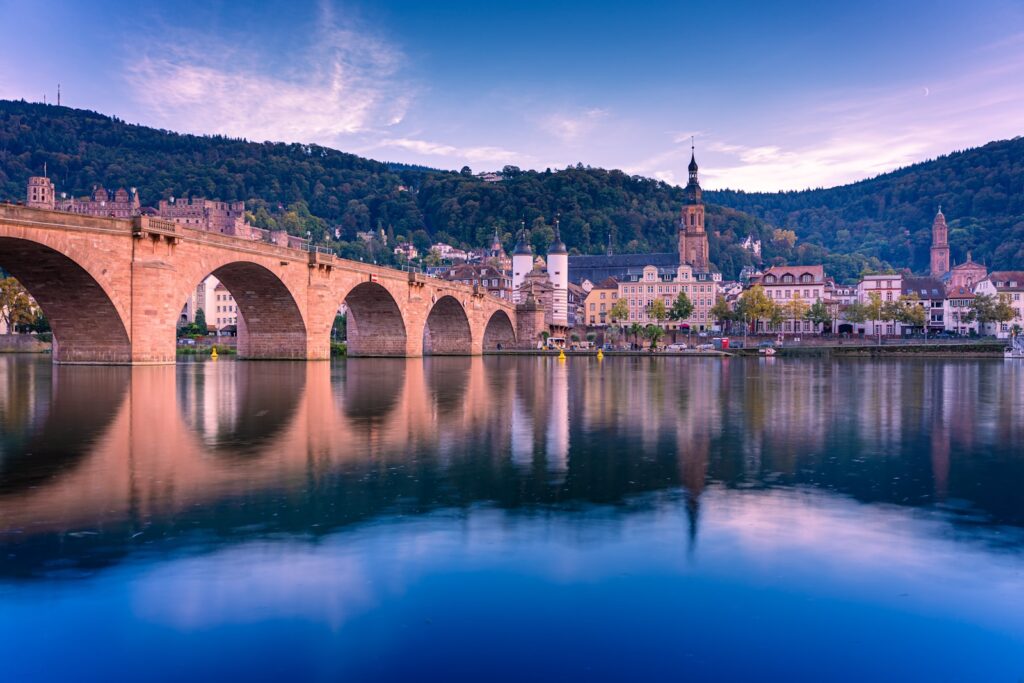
{"points": [[113, 291]]}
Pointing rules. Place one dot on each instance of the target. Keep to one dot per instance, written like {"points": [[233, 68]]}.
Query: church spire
{"points": [[693, 191], [693, 163]]}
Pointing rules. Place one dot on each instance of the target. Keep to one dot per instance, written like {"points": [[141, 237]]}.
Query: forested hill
{"points": [[889, 217], [316, 189]]}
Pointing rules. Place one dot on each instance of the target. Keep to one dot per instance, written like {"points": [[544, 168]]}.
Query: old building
{"points": [[888, 287], [930, 295], [641, 288], [958, 311], [966, 274], [121, 204], [1008, 283], [787, 284], [599, 301], [497, 282]]}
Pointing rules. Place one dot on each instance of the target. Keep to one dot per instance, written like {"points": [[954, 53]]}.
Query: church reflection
{"points": [[337, 444]]}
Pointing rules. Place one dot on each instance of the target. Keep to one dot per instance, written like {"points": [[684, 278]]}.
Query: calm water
{"points": [[513, 519]]}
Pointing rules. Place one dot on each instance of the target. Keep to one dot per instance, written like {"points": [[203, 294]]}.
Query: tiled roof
{"points": [[924, 287], [1007, 279], [599, 268]]}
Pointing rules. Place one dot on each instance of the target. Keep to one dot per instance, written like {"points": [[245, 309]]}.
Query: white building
{"points": [[216, 302], [888, 288], [1011, 284], [786, 284], [957, 310]]}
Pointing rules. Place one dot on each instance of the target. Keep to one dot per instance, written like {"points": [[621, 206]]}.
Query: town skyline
{"points": [[489, 86]]}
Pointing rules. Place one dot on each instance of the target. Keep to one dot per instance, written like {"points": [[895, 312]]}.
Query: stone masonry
{"points": [[113, 290]]}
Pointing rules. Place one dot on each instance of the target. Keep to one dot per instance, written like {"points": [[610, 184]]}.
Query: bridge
{"points": [[113, 291]]}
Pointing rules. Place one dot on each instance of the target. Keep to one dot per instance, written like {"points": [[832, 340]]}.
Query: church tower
{"points": [[940, 246], [693, 241]]}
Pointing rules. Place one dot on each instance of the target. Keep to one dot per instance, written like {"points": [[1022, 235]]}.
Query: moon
{"points": [[926, 91]]}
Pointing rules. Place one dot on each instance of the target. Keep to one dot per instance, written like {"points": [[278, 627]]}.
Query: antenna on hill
{"points": [[58, 94]]}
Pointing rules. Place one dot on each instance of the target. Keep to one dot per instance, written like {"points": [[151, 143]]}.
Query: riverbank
{"points": [[976, 349], [23, 343]]}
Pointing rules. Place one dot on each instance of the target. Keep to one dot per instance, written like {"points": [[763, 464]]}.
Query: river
{"points": [[519, 519]]}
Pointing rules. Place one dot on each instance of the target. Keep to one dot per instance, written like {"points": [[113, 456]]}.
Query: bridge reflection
{"points": [[249, 448]]}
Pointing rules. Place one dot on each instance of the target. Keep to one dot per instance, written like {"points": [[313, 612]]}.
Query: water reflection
{"points": [[81, 446], [637, 516]]}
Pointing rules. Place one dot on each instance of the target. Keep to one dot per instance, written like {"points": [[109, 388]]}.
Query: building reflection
{"points": [[134, 447]]}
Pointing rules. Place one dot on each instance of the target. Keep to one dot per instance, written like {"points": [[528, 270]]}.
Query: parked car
{"points": [[676, 347], [766, 345], [608, 347], [705, 347]]}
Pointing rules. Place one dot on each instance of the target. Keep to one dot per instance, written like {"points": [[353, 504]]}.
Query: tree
{"points": [[200, 324], [755, 305], [15, 304], [654, 333], [636, 329], [819, 314], [721, 311], [340, 328], [795, 309], [910, 312], [988, 309], [682, 308], [657, 310], [620, 311], [872, 309]]}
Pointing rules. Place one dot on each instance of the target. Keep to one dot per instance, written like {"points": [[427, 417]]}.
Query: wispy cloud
{"points": [[345, 81], [494, 155], [573, 127]]}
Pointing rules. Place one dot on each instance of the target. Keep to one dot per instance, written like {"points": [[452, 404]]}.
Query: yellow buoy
{"points": [[561, 354], [213, 354], [600, 354]]}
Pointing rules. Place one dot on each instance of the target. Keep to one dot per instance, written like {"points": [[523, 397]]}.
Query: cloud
{"points": [[496, 155], [571, 127], [345, 81]]}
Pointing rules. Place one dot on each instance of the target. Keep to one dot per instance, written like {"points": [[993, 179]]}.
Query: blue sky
{"points": [[781, 95]]}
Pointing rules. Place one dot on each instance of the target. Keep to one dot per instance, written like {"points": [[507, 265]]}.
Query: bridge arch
{"points": [[375, 325], [499, 332], [269, 321], [86, 324], [447, 331]]}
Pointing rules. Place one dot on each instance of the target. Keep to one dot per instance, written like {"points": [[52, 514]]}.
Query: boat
{"points": [[767, 351], [1016, 348]]}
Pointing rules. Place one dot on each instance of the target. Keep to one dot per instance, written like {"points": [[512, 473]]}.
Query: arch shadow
{"points": [[269, 322], [375, 326], [499, 332], [447, 331], [86, 325]]}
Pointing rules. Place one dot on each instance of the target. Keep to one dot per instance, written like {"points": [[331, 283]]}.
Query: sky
{"points": [[775, 95]]}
